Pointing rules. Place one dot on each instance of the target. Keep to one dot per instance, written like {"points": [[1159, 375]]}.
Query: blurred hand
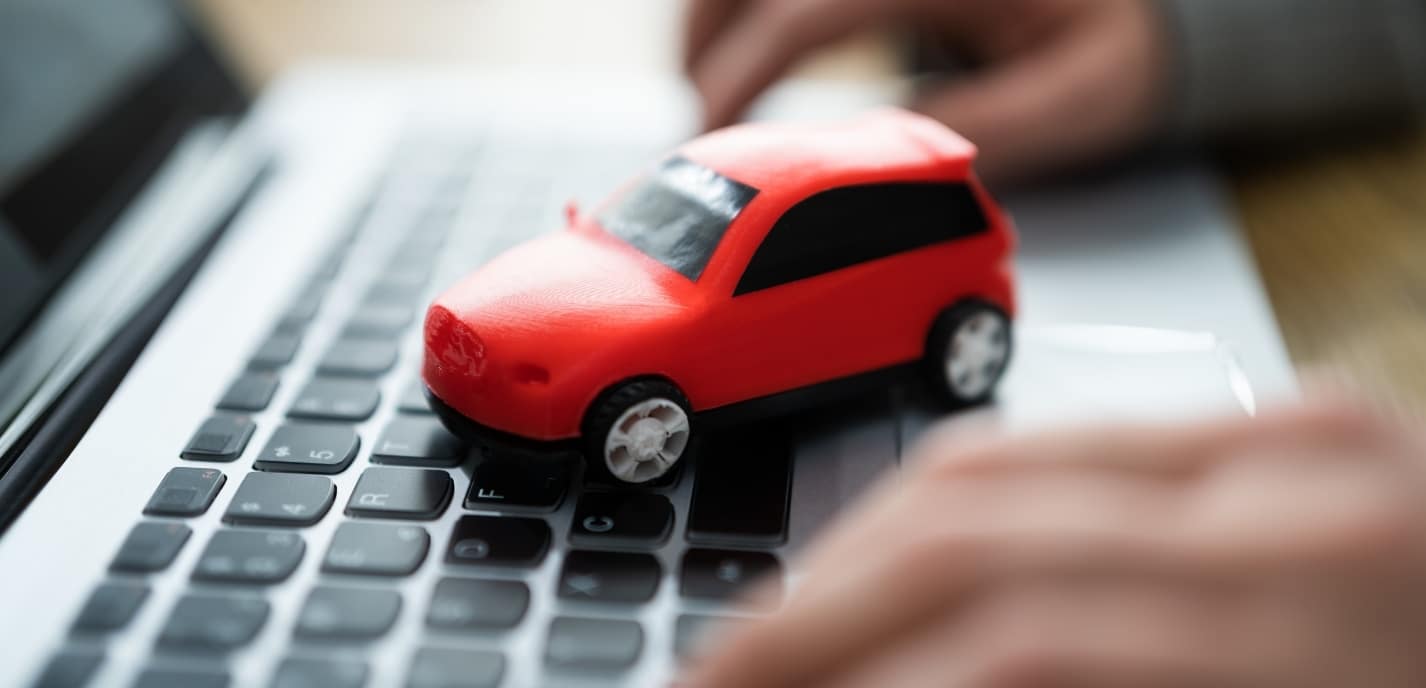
{"points": [[1288, 551], [1061, 81]]}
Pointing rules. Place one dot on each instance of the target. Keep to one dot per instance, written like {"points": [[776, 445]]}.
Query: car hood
{"points": [[561, 296]]}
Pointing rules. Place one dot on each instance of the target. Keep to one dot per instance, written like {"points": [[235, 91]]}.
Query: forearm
{"points": [[1247, 68]]}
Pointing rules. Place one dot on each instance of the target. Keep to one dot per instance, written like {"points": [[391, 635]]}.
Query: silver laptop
{"points": [[197, 290]]}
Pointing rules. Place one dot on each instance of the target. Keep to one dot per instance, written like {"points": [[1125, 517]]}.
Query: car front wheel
{"points": [[968, 351], [639, 431]]}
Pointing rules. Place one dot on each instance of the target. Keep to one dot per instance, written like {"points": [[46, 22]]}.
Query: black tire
{"points": [[967, 314], [609, 408]]}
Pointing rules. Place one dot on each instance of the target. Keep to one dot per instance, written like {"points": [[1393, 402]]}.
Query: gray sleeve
{"points": [[1245, 68]]}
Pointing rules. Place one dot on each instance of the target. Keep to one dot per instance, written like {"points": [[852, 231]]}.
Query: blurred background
{"points": [[1338, 230]]}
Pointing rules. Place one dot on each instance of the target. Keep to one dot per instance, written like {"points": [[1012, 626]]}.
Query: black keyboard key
{"points": [[609, 576], [499, 541], [500, 482], [719, 574], [281, 499], [413, 493], [376, 549], [384, 320], [70, 668], [413, 399], [740, 491], [185, 492], [308, 448], [626, 519], [358, 357], [691, 631], [110, 607], [335, 399], [213, 622], [465, 604], [220, 438], [418, 442], [276, 351], [250, 392], [348, 613], [250, 556], [593, 644], [175, 677], [306, 672], [150, 547], [440, 667]]}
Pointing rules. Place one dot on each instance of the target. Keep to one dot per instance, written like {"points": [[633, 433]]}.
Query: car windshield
{"points": [[677, 214]]}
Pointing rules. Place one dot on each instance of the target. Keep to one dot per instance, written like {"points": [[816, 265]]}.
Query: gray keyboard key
{"points": [[281, 499], [250, 556], [150, 546], [348, 613], [720, 574], [110, 607], [173, 677], [401, 493], [220, 438], [250, 392], [185, 491], [440, 667], [379, 320], [276, 351], [358, 357], [609, 576], [377, 549], [625, 519], [309, 448], [690, 631], [394, 292], [213, 622], [70, 668], [593, 644], [303, 672], [498, 541], [301, 311], [466, 604], [336, 399], [413, 399], [419, 441]]}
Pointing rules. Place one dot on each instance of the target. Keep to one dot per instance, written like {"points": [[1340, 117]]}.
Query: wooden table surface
{"points": [[1339, 235]]}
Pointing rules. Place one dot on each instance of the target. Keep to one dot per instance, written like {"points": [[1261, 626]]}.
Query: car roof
{"points": [[885, 144]]}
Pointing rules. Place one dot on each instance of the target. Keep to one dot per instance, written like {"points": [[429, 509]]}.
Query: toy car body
{"points": [[759, 268]]}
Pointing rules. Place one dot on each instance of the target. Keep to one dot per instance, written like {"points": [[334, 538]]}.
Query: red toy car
{"points": [[760, 268]]}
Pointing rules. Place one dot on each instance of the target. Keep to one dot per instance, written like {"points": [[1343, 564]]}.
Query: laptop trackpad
{"points": [[1061, 375]]}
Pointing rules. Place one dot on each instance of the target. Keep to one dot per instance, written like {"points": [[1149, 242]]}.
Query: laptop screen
{"points": [[92, 98]]}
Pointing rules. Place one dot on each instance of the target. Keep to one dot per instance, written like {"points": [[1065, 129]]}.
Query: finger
{"points": [[929, 563], [1163, 450], [703, 21], [763, 42], [1104, 634]]}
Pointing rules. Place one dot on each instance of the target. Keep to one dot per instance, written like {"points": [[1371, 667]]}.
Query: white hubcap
{"points": [[977, 354], [646, 440]]}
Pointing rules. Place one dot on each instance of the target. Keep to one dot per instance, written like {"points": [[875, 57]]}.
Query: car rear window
{"points": [[677, 214]]}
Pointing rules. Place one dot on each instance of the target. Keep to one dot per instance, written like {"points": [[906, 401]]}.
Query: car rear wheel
{"points": [[969, 350], [638, 432]]}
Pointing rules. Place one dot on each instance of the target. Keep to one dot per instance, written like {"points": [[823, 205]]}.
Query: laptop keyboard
{"points": [[357, 542]]}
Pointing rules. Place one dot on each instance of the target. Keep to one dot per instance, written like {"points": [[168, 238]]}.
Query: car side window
{"points": [[841, 227]]}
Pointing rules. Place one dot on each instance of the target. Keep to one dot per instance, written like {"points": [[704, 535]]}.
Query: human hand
{"points": [[1060, 82], [1288, 550]]}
